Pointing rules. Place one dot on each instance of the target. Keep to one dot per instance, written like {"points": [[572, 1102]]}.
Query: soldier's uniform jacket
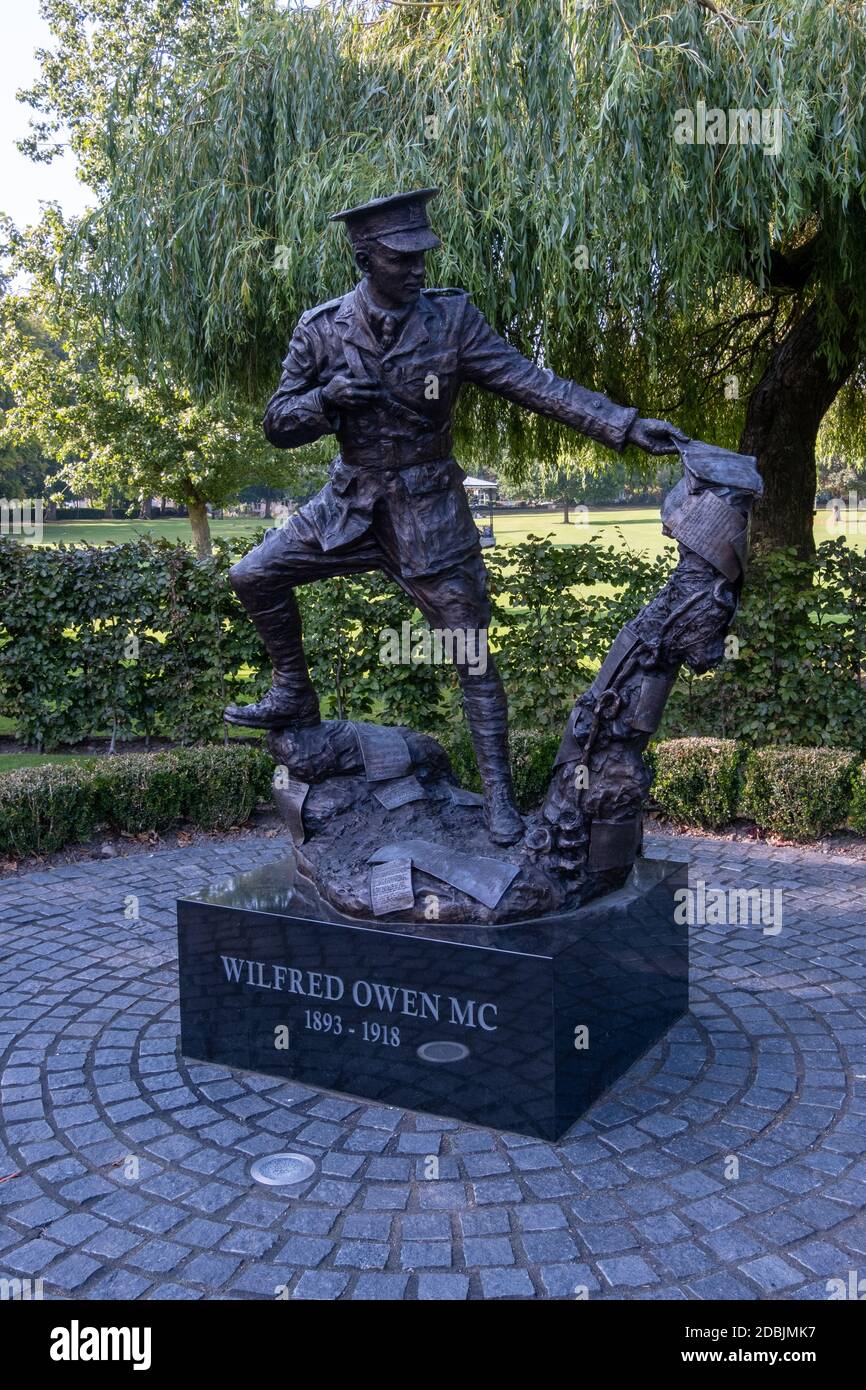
{"points": [[396, 453]]}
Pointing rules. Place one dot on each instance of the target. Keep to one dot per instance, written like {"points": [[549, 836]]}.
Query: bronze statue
{"points": [[380, 368], [381, 828]]}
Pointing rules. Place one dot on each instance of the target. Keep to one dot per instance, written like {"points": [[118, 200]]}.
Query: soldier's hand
{"points": [[350, 392], [655, 436]]}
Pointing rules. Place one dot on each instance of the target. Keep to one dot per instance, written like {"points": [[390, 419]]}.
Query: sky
{"points": [[22, 183]]}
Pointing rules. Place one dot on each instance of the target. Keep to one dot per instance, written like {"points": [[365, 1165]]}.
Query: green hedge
{"points": [[213, 787], [793, 676], [857, 816], [708, 783], [223, 785], [130, 640], [144, 639], [800, 793], [42, 809], [139, 791], [697, 780]]}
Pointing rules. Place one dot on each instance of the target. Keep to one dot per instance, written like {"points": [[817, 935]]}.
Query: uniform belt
{"points": [[397, 453]]}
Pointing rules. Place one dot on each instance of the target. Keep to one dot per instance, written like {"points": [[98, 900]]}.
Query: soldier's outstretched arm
{"points": [[488, 361], [297, 413]]}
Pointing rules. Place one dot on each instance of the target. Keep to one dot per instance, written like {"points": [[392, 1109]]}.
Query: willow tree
{"points": [[636, 193]]}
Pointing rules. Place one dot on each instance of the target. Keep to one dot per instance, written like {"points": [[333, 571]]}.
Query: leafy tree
{"points": [[73, 395], [24, 469], [99, 43]]}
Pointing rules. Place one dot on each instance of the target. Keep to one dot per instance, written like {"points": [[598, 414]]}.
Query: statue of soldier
{"points": [[380, 368]]}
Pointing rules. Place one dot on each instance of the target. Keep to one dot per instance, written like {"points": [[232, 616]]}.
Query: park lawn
{"points": [[639, 528], [11, 762], [129, 529]]}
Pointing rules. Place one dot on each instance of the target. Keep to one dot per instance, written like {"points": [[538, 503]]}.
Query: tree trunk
{"points": [[782, 420], [267, 516], [51, 513], [145, 511], [198, 520], [565, 513]]}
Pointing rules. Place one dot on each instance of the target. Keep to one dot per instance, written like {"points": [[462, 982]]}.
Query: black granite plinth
{"points": [[518, 1026]]}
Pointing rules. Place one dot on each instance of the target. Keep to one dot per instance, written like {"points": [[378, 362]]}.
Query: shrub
{"points": [[797, 653], [140, 791], [858, 800], [458, 745], [44, 808], [133, 639], [221, 786], [532, 758], [213, 787], [145, 639], [697, 780], [799, 793], [556, 610]]}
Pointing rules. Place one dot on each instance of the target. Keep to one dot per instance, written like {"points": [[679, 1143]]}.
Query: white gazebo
{"points": [[482, 506]]}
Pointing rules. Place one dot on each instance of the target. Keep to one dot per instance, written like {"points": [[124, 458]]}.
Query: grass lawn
{"points": [[637, 527], [114, 532], [10, 762]]}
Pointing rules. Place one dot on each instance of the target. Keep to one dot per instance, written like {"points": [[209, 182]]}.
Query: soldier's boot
{"points": [[487, 715], [292, 701], [284, 706]]}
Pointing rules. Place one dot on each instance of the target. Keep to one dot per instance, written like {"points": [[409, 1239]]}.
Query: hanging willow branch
{"points": [[585, 231]]}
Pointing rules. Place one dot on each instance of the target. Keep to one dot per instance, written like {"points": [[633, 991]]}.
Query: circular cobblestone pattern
{"points": [[726, 1164]]}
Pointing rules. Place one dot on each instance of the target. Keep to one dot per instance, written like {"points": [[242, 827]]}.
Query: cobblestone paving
{"points": [[637, 1201]]}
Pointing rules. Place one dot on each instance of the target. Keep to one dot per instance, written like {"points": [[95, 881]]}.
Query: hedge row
{"points": [[532, 758], [800, 793], [45, 808], [144, 639], [129, 640]]}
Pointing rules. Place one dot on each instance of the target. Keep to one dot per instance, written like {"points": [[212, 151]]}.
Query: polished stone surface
{"points": [[518, 1027]]}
